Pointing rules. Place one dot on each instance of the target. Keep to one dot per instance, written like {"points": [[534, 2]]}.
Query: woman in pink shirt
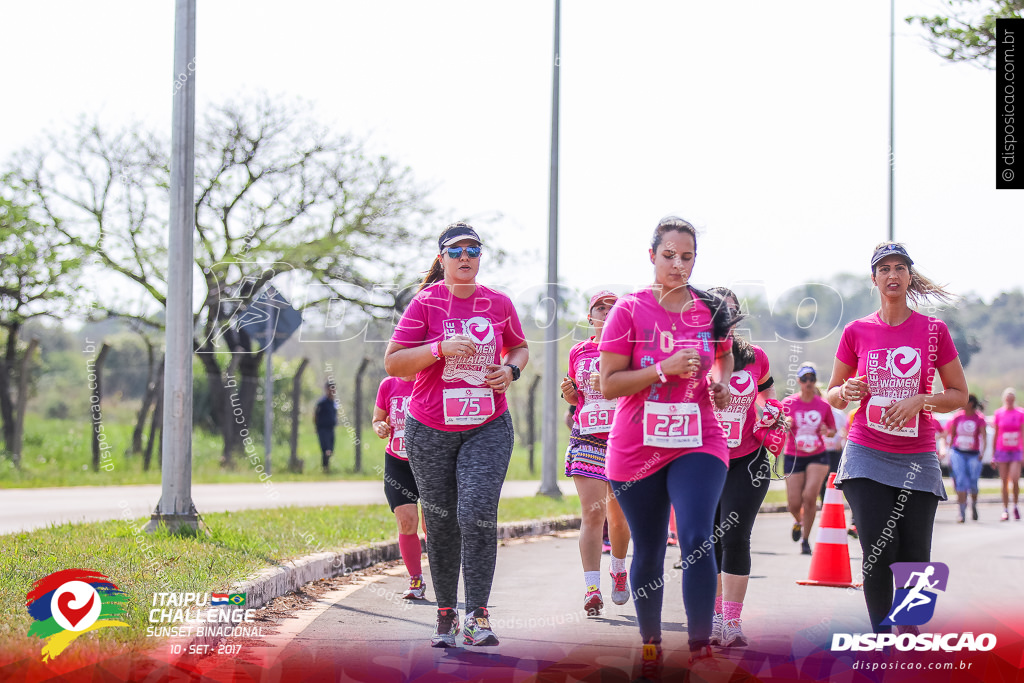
{"points": [[666, 447], [464, 343], [806, 461], [584, 462], [966, 436], [889, 472], [389, 413], [1009, 423]]}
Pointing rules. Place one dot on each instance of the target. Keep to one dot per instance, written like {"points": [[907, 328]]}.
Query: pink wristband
{"points": [[435, 349], [661, 375]]}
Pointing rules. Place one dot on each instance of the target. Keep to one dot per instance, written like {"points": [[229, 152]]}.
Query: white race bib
{"points": [[1011, 440], [965, 443], [732, 425], [672, 425], [468, 406], [596, 416], [877, 405], [398, 443]]}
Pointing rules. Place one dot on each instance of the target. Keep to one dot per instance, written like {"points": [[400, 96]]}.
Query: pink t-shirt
{"points": [[965, 432], [594, 412], [899, 361], [664, 421], [804, 439], [740, 415], [1008, 424], [451, 394], [393, 398]]}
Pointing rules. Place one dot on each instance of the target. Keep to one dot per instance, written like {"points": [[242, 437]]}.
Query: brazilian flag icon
{"points": [[237, 599]]}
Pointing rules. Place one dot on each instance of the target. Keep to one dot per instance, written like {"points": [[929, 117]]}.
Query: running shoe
{"points": [[1016, 513], [650, 662], [732, 634], [446, 629], [477, 629], [1005, 517], [672, 538], [593, 603], [716, 629], [974, 511], [620, 588], [797, 532], [852, 531], [417, 589], [805, 548], [961, 519]]}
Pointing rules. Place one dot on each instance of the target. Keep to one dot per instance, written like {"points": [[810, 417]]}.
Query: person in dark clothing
{"points": [[325, 417]]}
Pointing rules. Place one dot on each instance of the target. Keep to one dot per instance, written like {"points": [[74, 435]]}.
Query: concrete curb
{"points": [[289, 576]]}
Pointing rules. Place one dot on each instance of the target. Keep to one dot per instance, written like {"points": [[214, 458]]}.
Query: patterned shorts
{"points": [[585, 456]]}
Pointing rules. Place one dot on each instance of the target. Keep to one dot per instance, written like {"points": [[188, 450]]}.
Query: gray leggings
{"points": [[459, 475]]}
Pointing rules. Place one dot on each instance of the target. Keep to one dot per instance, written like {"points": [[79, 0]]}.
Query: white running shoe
{"points": [[620, 588], [732, 634], [716, 629]]}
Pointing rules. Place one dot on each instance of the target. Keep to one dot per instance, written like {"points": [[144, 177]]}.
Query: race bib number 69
{"points": [[672, 425]]}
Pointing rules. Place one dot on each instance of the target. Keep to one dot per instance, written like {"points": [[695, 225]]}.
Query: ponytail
{"points": [[433, 275]]}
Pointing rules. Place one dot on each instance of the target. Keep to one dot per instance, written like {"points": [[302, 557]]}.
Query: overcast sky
{"points": [[766, 124]]}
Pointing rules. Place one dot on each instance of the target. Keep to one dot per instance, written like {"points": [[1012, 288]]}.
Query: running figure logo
{"points": [[913, 601]]}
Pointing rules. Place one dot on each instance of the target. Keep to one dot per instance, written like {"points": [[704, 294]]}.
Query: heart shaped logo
{"points": [[742, 383], [812, 419], [479, 330], [904, 362], [75, 606]]}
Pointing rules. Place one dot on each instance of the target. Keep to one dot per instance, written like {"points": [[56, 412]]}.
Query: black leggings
{"points": [[890, 531], [746, 485]]}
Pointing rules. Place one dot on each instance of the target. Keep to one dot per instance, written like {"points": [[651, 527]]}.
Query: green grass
{"points": [[58, 453], [240, 544]]}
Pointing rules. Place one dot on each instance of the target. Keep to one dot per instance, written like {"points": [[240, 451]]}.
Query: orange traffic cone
{"points": [[830, 563]]}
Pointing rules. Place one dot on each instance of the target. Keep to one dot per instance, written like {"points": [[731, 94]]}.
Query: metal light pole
{"points": [[892, 116], [552, 407], [175, 509]]}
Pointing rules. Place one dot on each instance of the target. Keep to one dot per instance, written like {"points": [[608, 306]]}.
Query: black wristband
{"points": [[515, 371]]}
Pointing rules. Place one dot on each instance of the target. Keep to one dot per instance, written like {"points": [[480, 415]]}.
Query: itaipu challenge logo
{"points": [[71, 602]]}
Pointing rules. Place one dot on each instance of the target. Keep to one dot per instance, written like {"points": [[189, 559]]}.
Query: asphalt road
{"points": [[364, 632]]}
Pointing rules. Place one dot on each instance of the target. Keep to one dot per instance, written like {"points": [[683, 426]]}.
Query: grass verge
{"points": [[240, 544]]}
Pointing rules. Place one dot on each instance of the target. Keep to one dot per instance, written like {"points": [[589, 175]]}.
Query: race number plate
{"points": [[732, 425], [877, 405], [468, 406], [672, 425], [596, 416]]}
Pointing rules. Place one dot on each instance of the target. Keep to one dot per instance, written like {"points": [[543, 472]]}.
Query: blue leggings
{"points": [[692, 484]]}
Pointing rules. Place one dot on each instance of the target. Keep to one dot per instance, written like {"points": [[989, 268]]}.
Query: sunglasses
{"points": [[456, 252], [808, 378]]}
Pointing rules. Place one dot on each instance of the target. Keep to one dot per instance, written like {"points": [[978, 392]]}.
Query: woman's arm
{"points": [[837, 386], [403, 361], [953, 396], [721, 374], [380, 423]]}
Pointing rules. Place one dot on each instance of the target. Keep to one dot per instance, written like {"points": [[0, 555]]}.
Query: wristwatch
{"points": [[515, 371]]}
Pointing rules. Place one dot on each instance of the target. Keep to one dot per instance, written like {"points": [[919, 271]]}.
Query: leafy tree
{"points": [[968, 34], [275, 192], [37, 278]]}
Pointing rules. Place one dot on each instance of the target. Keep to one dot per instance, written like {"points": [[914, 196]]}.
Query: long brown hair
{"points": [[435, 273], [921, 288]]}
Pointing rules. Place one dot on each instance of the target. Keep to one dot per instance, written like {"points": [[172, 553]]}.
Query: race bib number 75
{"points": [[469, 406]]}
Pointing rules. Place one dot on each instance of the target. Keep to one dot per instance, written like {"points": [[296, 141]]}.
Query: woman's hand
{"points": [[498, 377], [855, 389], [901, 412], [684, 363], [595, 382], [382, 429], [721, 393], [569, 393], [459, 345]]}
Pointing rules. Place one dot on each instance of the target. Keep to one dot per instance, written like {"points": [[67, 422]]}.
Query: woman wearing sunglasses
{"points": [[889, 472], [465, 345], [666, 448], [806, 461]]}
